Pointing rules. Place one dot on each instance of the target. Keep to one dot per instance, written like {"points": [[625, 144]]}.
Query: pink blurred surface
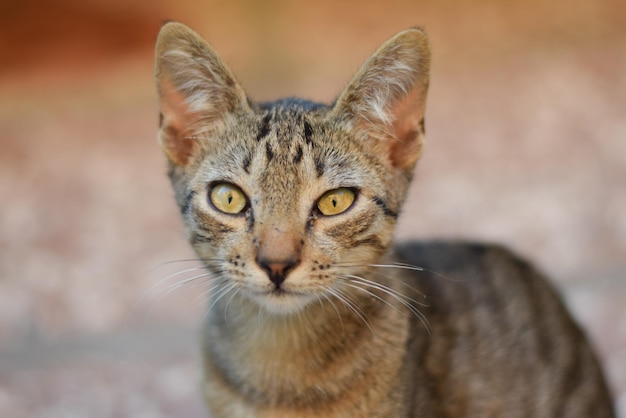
{"points": [[526, 147]]}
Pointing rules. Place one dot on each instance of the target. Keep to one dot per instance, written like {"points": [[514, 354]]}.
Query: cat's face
{"points": [[285, 202], [287, 208]]}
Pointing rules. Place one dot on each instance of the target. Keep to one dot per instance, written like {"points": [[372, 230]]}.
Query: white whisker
{"points": [[385, 289], [219, 295], [335, 308], [155, 298], [230, 299], [167, 278], [220, 281], [189, 260], [374, 295], [398, 265], [172, 287], [350, 304], [416, 268], [403, 299]]}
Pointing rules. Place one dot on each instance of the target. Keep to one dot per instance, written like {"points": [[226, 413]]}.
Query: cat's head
{"points": [[283, 201]]}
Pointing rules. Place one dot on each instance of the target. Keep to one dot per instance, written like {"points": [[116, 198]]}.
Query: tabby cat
{"points": [[291, 206]]}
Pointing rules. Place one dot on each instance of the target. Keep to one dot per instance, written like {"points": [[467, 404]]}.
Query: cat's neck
{"points": [[247, 324], [266, 348], [307, 359]]}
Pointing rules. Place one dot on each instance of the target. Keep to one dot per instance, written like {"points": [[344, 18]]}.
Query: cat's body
{"points": [[313, 313], [484, 354]]}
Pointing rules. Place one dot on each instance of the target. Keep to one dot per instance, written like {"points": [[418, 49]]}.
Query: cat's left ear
{"points": [[196, 90], [385, 101]]}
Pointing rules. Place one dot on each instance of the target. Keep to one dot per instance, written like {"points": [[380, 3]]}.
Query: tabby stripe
{"points": [[269, 152], [536, 293], [309, 224], [353, 227], [214, 228], [250, 218], [298, 157], [264, 129], [388, 212], [572, 376], [184, 208], [539, 321], [308, 131], [246, 163], [319, 167], [370, 241], [199, 237]]}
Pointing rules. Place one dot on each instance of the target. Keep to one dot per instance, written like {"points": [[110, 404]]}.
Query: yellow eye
{"points": [[335, 201], [228, 198]]}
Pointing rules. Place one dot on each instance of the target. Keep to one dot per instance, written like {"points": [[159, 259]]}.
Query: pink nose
{"points": [[278, 253], [277, 270]]}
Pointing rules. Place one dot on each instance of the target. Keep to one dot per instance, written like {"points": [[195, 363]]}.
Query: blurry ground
{"points": [[526, 146]]}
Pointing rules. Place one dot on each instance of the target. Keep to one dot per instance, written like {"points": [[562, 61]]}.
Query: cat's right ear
{"points": [[196, 90]]}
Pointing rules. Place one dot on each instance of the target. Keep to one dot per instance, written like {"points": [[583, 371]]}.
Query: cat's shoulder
{"points": [[452, 255], [471, 268]]}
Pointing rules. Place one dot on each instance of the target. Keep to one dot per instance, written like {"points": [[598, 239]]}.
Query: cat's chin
{"points": [[282, 302]]}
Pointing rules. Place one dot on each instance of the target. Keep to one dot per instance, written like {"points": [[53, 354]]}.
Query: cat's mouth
{"points": [[280, 292], [282, 301]]}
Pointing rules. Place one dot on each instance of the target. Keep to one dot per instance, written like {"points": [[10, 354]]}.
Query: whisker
{"points": [[169, 277], [174, 286], [417, 268], [374, 295], [189, 260], [230, 299], [350, 304], [334, 307], [219, 295], [386, 289], [154, 298], [403, 299], [403, 283], [398, 265], [303, 316], [220, 281]]}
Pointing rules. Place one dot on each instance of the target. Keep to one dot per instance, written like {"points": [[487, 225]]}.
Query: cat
{"points": [[313, 311]]}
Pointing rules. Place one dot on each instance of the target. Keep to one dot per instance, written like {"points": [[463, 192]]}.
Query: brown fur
{"points": [[320, 316]]}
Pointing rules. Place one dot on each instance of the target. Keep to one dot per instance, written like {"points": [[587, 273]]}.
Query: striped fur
{"points": [[321, 316]]}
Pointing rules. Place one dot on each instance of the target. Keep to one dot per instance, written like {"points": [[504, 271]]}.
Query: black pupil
{"points": [[334, 203], [230, 198]]}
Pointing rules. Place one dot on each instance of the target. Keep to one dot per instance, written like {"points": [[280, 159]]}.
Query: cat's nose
{"points": [[278, 253], [277, 270]]}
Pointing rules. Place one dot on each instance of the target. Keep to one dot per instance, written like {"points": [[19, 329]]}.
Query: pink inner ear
{"points": [[174, 107], [178, 148], [176, 124], [408, 114]]}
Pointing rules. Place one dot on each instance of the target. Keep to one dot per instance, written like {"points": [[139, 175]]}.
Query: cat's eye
{"points": [[336, 201], [228, 198]]}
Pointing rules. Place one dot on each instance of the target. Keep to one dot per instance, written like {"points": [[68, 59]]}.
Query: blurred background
{"points": [[526, 146]]}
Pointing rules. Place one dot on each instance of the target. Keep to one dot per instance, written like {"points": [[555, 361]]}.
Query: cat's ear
{"points": [[196, 90], [385, 101]]}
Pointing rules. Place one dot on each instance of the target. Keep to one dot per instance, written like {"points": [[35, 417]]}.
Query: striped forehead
{"points": [[283, 140], [283, 136], [292, 143]]}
